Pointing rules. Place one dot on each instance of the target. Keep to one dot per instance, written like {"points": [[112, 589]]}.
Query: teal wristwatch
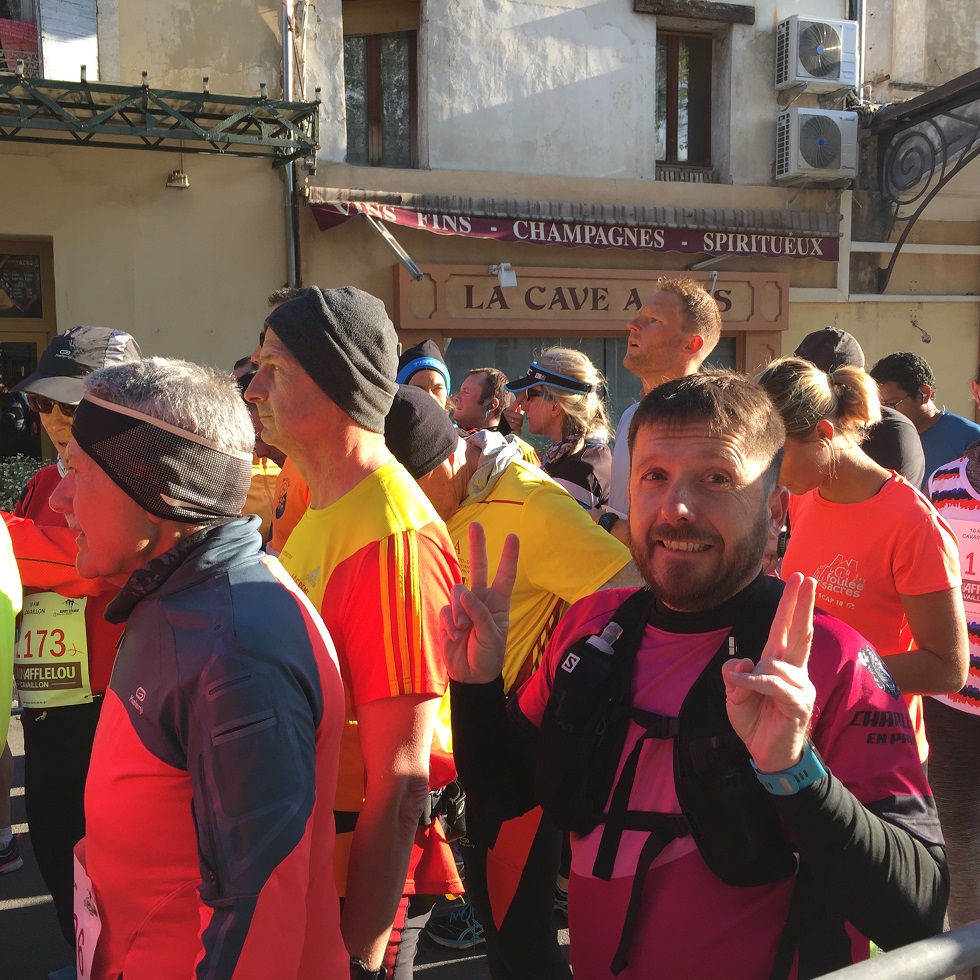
{"points": [[809, 770]]}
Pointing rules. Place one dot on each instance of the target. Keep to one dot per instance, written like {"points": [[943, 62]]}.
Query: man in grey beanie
{"points": [[374, 558]]}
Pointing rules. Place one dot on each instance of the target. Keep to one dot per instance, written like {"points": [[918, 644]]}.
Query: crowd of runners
{"points": [[322, 653]]}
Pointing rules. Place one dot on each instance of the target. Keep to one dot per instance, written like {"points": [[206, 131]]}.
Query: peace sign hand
{"points": [[770, 703], [474, 624]]}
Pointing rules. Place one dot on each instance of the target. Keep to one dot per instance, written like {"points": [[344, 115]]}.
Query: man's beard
{"points": [[708, 587]]}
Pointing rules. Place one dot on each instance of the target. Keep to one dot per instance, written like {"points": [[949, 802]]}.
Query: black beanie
{"points": [[425, 356], [418, 431], [346, 343]]}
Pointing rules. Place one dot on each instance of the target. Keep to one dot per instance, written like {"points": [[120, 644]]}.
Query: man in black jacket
{"points": [[805, 836]]}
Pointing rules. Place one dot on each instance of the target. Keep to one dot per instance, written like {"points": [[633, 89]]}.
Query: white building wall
{"points": [[69, 39], [568, 90], [537, 87]]}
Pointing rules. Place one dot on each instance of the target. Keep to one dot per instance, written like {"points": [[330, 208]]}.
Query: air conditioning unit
{"points": [[820, 144], [820, 54]]}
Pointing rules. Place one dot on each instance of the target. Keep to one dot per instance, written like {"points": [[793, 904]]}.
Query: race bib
{"points": [[88, 925], [51, 653]]}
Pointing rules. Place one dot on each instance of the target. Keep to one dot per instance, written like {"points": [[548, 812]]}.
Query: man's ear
{"points": [[494, 405], [778, 509], [694, 344], [926, 392]]}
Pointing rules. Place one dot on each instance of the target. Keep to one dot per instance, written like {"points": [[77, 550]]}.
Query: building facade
{"points": [[586, 147]]}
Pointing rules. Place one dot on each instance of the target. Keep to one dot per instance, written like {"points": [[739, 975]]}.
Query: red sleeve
{"points": [[383, 613], [43, 544]]}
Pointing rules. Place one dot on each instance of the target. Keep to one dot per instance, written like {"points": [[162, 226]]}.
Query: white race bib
{"points": [[88, 925], [51, 655]]}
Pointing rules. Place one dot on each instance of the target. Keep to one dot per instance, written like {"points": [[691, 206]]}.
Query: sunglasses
{"points": [[45, 406], [245, 380], [531, 393]]}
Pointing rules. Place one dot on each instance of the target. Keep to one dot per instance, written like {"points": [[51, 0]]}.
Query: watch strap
{"points": [[359, 970], [788, 782], [607, 521]]}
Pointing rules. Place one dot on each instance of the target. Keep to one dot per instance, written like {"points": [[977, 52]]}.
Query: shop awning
{"points": [[695, 231]]}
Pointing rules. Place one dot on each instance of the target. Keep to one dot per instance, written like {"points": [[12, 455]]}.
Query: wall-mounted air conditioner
{"points": [[819, 144], [820, 54]]}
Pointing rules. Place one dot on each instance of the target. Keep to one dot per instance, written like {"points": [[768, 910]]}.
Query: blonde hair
{"points": [[585, 415], [804, 395]]}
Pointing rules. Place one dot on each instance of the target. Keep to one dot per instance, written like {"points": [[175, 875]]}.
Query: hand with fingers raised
{"points": [[474, 624], [770, 703]]}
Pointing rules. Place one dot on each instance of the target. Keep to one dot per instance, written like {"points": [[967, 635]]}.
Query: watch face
{"points": [[606, 521]]}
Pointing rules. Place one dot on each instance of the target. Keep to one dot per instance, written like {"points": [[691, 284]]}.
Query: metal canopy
{"points": [[137, 117], [922, 144]]}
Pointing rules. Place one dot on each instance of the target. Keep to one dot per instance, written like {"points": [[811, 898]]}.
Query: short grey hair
{"points": [[192, 397]]}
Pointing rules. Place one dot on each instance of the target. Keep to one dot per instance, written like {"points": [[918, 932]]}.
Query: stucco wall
{"points": [[914, 45], [186, 271], [539, 87], [177, 42], [533, 87], [882, 328]]}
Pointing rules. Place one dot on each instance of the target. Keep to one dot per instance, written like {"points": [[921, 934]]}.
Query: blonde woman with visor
{"points": [[562, 398]]}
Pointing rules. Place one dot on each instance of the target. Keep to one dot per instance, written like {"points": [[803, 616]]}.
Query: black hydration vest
{"points": [[724, 807]]}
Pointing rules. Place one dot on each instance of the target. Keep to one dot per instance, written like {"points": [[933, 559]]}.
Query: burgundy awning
{"points": [[695, 231]]}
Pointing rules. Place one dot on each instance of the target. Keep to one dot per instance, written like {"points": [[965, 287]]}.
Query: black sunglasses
{"points": [[245, 380], [45, 406]]}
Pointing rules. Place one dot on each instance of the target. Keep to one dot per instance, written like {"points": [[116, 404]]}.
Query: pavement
{"points": [[31, 944]]}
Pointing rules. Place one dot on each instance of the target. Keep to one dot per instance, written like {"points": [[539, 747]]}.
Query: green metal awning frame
{"points": [[137, 117]]}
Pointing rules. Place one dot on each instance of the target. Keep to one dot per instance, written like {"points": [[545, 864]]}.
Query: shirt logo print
{"points": [[839, 581]]}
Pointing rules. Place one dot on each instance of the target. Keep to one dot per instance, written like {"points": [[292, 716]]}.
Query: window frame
{"points": [[673, 39], [374, 98]]}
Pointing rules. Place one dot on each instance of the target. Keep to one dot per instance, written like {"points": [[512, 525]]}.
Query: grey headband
{"points": [[169, 472]]}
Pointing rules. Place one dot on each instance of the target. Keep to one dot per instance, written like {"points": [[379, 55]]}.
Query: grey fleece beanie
{"points": [[346, 343]]}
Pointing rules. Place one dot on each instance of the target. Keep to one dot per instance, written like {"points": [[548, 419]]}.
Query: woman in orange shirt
{"points": [[885, 562]]}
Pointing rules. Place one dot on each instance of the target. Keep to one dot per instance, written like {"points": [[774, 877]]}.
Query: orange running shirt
{"points": [[292, 497], [866, 556]]}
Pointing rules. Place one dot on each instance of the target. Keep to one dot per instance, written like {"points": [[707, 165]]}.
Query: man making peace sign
{"points": [[758, 808]]}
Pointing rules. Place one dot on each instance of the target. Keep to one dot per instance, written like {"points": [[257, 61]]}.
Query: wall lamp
{"points": [[506, 276]]}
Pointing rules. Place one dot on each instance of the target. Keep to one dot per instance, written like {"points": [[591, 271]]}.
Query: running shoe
{"points": [[458, 930], [10, 859]]}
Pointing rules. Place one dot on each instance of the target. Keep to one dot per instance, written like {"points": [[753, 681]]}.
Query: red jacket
{"points": [[45, 548]]}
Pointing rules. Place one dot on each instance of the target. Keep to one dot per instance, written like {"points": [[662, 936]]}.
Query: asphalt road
{"points": [[31, 944]]}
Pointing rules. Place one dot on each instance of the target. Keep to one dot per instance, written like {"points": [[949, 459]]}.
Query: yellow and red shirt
{"points": [[379, 566]]}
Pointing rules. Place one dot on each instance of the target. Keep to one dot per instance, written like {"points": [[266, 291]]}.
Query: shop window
{"points": [[381, 95], [17, 10], [18, 37], [683, 110]]}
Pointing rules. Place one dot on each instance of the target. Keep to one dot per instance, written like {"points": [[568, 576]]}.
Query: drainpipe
{"points": [[289, 169], [860, 11]]}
